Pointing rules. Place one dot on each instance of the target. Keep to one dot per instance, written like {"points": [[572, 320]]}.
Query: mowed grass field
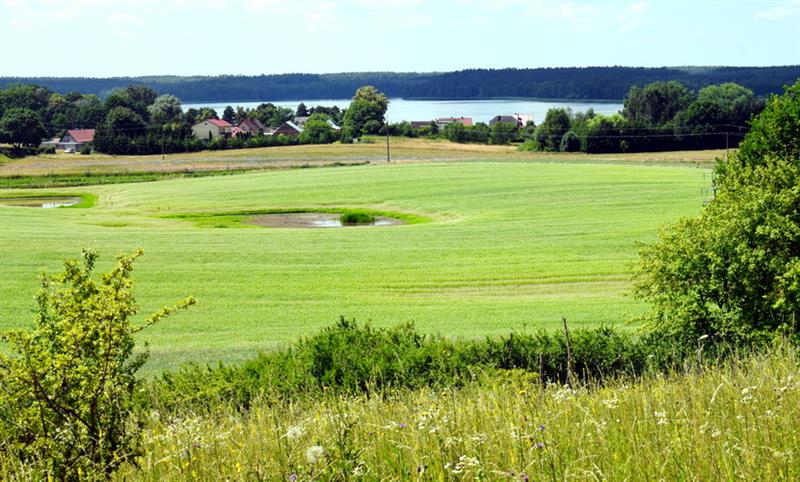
{"points": [[508, 246]]}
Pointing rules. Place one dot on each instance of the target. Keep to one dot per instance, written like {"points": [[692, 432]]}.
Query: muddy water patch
{"points": [[312, 217], [314, 220], [45, 202]]}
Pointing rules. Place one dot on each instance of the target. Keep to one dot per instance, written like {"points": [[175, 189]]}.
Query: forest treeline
{"points": [[578, 83]]}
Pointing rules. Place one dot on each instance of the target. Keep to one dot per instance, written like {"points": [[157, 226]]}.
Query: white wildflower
{"points": [[314, 454], [294, 432]]}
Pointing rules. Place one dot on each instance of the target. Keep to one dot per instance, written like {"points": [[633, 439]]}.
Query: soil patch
{"points": [[313, 220]]}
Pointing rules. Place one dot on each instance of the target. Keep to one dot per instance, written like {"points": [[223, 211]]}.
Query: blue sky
{"points": [[184, 37]]}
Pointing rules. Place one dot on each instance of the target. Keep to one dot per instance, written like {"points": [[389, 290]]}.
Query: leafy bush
{"points": [[66, 399], [352, 218], [86, 149], [733, 273], [351, 358], [570, 142], [47, 150]]}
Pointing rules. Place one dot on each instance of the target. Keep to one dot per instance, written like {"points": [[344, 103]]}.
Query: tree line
{"points": [[137, 120], [547, 83], [660, 116]]}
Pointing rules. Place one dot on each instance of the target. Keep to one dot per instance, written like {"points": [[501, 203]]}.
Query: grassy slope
{"points": [[739, 422], [511, 245]]}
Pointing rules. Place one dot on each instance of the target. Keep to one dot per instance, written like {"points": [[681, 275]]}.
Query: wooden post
{"points": [[570, 374]]}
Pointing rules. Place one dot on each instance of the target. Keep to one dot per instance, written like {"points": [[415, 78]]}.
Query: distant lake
{"points": [[421, 110]]}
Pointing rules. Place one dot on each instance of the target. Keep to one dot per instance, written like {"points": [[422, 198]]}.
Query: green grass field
{"points": [[508, 246]]}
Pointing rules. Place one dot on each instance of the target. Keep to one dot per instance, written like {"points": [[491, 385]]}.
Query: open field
{"points": [[403, 150], [508, 245]]}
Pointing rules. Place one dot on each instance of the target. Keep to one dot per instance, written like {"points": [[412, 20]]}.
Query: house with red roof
{"points": [[75, 139], [211, 129]]}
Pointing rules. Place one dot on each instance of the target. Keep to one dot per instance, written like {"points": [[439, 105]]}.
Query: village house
{"points": [[520, 120], [288, 128], [211, 129], [295, 126], [443, 121], [75, 139], [251, 126], [420, 124]]}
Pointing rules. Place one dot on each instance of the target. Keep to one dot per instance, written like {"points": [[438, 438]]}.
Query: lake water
{"points": [[422, 110]]}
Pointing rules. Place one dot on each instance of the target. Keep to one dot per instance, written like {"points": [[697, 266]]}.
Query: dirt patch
{"points": [[313, 220]]}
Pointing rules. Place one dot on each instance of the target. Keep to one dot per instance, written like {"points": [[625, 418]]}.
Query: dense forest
{"points": [[596, 83]]}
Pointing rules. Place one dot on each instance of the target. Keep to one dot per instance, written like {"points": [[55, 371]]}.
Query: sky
{"points": [[101, 38]]}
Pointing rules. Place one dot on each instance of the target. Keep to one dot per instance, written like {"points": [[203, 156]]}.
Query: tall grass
{"points": [[736, 421]]}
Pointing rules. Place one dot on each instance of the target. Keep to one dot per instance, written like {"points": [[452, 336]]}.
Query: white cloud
{"points": [[124, 18], [787, 10], [633, 16], [388, 4]]}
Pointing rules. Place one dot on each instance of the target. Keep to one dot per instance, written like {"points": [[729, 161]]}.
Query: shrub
{"points": [[570, 142], [66, 399], [86, 149], [352, 218], [351, 358], [47, 150], [733, 273]]}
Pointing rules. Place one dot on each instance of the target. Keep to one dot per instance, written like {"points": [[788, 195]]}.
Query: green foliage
{"points": [[550, 132], [657, 103], [733, 273], [351, 358], [166, 109], [502, 133], [366, 112], [736, 420], [229, 115], [570, 142], [356, 217], [317, 130], [134, 97], [66, 397], [21, 127]]}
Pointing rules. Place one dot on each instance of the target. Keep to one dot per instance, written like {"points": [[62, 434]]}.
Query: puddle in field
{"points": [[42, 202], [312, 220]]}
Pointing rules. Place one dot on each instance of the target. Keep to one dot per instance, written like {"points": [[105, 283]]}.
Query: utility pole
{"points": [[726, 144], [386, 127], [162, 143]]}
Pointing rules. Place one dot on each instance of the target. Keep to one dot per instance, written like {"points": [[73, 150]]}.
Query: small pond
{"points": [[313, 220], [42, 202]]}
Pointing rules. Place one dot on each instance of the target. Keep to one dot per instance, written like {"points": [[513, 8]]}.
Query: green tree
{"points": [[570, 142], [21, 127], [229, 114], [367, 109], [116, 133], [657, 103], [733, 273], [134, 97], [502, 133], [302, 110], [556, 123], [66, 398], [24, 96], [166, 109], [455, 132], [317, 130]]}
